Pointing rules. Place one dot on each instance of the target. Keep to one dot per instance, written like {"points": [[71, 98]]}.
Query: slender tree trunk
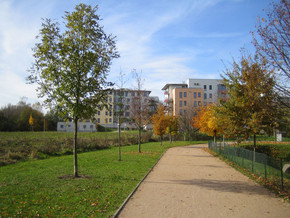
{"points": [[119, 139], [254, 154], [76, 173], [139, 140], [161, 137]]}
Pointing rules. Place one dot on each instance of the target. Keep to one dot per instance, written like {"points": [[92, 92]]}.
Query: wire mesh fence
{"points": [[260, 164]]}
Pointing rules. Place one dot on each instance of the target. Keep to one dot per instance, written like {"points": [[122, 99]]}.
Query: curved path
{"points": [[189, 182]]}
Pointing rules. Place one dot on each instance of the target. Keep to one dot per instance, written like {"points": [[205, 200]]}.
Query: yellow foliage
{"points": [[206, 121]]}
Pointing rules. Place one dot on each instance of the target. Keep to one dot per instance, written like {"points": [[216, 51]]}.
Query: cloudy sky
{"points": [[168, 41]]}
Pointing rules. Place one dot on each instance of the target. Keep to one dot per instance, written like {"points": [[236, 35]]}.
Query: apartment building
{"points": [[185, 99], [105, 116], [181, 97], [121, 102]]}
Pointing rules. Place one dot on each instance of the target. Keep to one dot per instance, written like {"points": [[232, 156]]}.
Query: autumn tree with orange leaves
{"points": [[160, 122]]}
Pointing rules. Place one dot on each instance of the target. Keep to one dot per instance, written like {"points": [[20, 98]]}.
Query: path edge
{"points": [[132, 193]]}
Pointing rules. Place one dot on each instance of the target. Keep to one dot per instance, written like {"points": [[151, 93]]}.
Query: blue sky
{"points": [[168, 41]]}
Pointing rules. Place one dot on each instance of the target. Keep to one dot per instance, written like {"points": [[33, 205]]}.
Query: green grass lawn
{"points": [[43, 187]]}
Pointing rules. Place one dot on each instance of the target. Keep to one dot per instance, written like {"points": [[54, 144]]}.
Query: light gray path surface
{"points": [[189, 182]]}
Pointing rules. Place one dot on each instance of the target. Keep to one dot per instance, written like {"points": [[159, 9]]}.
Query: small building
{"points": [[83, 126]]}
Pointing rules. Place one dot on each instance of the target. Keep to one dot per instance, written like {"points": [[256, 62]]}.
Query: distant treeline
{"points": [[16, 118]]}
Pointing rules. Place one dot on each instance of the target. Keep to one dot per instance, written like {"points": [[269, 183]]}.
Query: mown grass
{"points": [[45, 187]]}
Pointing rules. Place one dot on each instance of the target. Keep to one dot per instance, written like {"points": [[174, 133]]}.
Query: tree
{"points": [[252, 106], [31, 122], [71, 67], [120, 107], [140, 107], [173, 126], [206, 121], [160, 122], [272, 41], [185, 124]]}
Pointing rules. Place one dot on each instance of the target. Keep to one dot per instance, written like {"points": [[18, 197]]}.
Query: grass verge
{"points": [[45, 187]]}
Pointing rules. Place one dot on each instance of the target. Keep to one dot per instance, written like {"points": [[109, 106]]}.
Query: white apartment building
{"points": [[213, 89]]}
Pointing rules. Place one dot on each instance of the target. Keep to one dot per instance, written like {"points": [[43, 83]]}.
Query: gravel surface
{"points": [[189, 182]]}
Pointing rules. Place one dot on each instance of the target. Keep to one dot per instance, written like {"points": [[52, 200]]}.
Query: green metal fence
{"points": [[260, 164]]}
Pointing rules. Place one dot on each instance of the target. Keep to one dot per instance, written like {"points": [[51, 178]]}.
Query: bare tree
{"points": [[120, 106], [140, 107], [272, 41]]}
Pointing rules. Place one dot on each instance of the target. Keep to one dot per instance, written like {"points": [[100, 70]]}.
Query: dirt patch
{"points": [[73, 177]]}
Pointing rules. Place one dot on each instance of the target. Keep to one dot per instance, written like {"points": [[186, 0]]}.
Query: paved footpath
{"points": [[189, 182]]}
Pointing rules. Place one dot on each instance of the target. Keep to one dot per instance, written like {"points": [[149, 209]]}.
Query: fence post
{"points": [[253, 161], [281, 168], [265, 164], [243, 155]]}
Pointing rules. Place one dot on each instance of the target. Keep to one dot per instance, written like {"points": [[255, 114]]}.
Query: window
{"points": [[199, 94], [199, 103], [210, 95], [106, 113], [99, 120], [128, 100], [204, 87], [205, 96], [84, 126], [185, 94], [180, 103], [180, 94], [91, 127], [195, 104], [194, 95], [99, 113], [133, 94], [110, 120], [61, 126], [180, 112], [185, 103], [126, 94], [210, 87]]}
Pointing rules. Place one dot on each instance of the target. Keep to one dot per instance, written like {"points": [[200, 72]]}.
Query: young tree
{"points": [[173, 126], [140, 107], [252, 105], [160, 122], [71, 67], [272, 41], [206, 121], [120, 107], [31, 122], [185, 124]]}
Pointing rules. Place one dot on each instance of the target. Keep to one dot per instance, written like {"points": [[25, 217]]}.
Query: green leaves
{"points": [[252, 105], [71, 66]]}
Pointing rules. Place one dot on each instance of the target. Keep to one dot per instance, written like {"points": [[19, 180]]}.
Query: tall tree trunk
{"points": [[139, 140], [161, 139], [119, 139], [76, 173]]}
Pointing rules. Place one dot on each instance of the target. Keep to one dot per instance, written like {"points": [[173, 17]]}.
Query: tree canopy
{"points": [[160, 122], [272, 42], [252, 105]]}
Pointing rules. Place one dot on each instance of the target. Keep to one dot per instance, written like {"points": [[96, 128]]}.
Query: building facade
{"points": [[182, 97]]}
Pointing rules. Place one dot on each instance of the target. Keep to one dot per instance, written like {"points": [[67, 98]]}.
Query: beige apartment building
{"points": [[186, 99], [182, 97]]}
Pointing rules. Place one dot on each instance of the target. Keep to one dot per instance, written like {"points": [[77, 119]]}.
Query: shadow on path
{"points": [[219, 185]]}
